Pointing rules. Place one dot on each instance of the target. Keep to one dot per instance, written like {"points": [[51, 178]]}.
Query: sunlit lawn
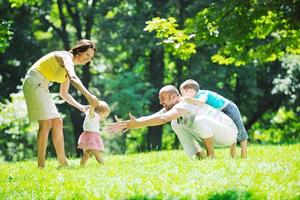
{"points": [[270, 172]]}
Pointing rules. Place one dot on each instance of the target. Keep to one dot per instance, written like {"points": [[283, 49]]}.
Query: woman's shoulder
{"points": [[62, 54]]}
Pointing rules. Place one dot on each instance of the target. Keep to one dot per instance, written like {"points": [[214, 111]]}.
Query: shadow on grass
{"points": [[231, 195], [225, 195]]}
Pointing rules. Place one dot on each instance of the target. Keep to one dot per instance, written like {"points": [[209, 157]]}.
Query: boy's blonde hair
{"points": [[190, 84]]}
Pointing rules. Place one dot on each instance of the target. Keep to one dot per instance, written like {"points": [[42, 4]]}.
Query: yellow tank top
{"points": [[50, 68]]}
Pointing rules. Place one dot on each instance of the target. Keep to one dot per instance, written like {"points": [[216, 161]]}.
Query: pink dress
{"points": [[90, 138]]}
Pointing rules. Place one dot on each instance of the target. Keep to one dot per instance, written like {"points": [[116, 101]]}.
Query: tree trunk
{"points": [[76, 117], [268, 101], [154, 134]]}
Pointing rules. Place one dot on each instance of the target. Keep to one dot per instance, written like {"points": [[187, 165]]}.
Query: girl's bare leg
{"points": [[42, 139], [85, 157], [58, 141], [98, 157]]}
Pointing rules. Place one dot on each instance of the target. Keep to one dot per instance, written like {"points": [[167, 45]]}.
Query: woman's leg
{"points": [[42, 139], [58, 140], [98, 157], [85, 157]]}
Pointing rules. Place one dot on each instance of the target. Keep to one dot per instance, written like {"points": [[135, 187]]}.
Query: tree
{"points": [[253, 33]]}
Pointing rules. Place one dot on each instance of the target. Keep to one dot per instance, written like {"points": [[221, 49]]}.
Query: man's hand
{"points": [[131, 124], [117, 127], [121, 126]]}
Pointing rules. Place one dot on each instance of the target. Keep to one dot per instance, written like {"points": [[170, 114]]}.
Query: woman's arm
{"points": [[64, 93], [76, 82]]}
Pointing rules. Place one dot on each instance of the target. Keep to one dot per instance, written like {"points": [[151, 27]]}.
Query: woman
{"points": [[57, 66]]}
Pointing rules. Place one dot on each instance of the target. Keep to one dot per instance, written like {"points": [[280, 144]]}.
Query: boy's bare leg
{"points": [[244, 148], [209, 145], [98, 157], [85, 157], [201, 155], [233, 150]]}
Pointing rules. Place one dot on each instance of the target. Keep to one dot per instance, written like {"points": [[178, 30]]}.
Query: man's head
{"points": [[189, 88], [169, 96], [102, 109]]}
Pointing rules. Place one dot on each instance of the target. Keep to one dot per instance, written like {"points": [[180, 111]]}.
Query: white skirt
{"points": [[40, 105]]}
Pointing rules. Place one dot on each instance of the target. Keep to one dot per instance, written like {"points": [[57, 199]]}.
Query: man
{"points": [[191, 123]]}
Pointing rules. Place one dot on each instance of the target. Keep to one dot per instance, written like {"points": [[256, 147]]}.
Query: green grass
{"points": [[270, 172]]}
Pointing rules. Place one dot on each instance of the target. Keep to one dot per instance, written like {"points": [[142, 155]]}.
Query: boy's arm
{"points": [[195, 101]]}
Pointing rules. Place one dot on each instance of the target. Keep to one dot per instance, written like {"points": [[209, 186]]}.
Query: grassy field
{"points": [[270, 172]]}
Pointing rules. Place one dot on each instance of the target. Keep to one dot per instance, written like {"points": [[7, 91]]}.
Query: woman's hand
{"points": [[84, 108], [93, 101]]}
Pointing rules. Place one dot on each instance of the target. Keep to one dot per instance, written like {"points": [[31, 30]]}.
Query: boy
{"points": [[191, 93]]}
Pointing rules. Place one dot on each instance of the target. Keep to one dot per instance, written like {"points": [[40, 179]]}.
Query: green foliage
{"points": [[5, 35], [19, 3], [247, 31], [17, 132], [270, 172], [244, 32], [175, 41], [289, 82], [128, 92], [280, 127]]}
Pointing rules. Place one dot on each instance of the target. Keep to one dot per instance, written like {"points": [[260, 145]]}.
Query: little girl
{"points": [[90, 141]]}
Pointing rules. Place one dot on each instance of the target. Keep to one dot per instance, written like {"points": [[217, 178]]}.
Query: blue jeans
{"points": [[233, 112]]}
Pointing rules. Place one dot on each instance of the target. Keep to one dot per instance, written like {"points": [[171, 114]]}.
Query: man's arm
{"points": [[163, 110], [154, 120]]}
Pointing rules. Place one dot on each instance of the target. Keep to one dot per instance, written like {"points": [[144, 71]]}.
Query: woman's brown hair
{"points": [[82, 46]]}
